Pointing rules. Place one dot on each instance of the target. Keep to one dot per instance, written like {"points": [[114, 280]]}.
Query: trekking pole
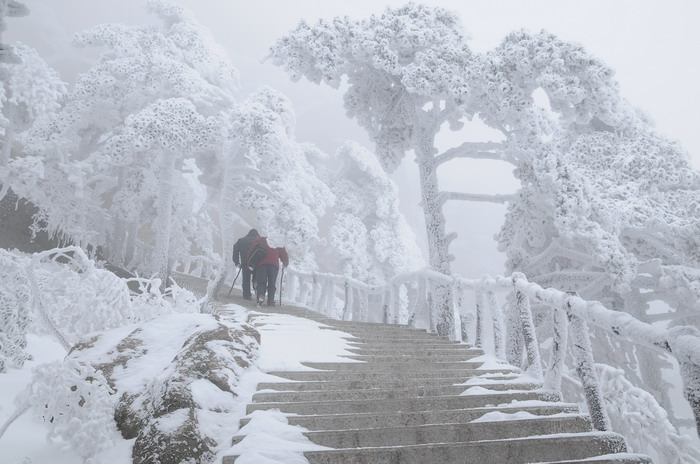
{"points": [[281, 280], [234, 281]]}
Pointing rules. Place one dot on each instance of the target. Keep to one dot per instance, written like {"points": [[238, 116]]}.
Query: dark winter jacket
{"points": [[240, 249], [274, 255]]}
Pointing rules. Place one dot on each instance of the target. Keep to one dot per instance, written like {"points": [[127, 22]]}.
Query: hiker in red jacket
{"points": [[266, 271]]}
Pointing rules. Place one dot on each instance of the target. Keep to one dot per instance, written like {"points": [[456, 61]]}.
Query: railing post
{"points": [[396, 304], [315, 291], [364, 305], [498, 329], [346, 300], [431, 310], [422, 308], [458, 298], [292, 287], [585, 368], [412, 305], [480, 329], [386, 298], [522, 305], [560, 330], [326, 305]]}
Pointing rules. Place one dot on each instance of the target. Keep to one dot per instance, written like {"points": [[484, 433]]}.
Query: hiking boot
{"points": [[260, 301], [270, 303]]}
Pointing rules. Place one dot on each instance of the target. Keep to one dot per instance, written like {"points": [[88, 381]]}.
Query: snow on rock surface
{"points": [[168, 371]]}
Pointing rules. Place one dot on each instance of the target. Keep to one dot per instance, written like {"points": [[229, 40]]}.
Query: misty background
{"points": [[653, 47]]}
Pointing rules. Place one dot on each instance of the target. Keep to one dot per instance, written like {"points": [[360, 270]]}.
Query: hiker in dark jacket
{"points": [[266, 271], [240, 254]]}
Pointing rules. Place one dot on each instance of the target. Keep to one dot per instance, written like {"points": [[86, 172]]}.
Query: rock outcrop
{"points": [[165, 371]]}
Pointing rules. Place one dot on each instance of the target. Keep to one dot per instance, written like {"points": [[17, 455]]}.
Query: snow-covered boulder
{"points": [[169, 372]]}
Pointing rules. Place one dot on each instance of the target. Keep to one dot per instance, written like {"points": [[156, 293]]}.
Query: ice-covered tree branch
{"points": [[475, 150], [482, 197]]}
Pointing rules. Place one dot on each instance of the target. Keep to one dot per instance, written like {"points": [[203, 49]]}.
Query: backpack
{"points": [[256, 253]]}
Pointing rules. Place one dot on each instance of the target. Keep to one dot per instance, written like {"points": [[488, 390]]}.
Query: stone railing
{"points": [[508, 335]]}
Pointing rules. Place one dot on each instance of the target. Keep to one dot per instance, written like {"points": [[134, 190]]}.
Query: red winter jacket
{"points": [[274, 255]]}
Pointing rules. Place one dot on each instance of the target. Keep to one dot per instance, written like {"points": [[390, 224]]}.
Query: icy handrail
{"points": [[683, 342], [593, 312]]}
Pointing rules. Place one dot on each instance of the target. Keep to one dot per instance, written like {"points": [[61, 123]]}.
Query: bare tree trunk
{"points": [[7, 144], [438, 252], [130, 245], [165, 201], [226, 220]]}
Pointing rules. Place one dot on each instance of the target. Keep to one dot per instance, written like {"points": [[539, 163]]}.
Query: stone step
{"points": [[403, 365], [402, 358], [371, 384], [397, 338], [389, 334], [362, 325], [377, 393], [399, 419], [405, 404], [514, 451], [378, 328], [454, 350], [460, 376], [627, 458], [447, 433], [436, 344]]}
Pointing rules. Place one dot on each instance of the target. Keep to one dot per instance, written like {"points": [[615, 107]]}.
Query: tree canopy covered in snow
{"points": [[150, 160], [606, 207]]}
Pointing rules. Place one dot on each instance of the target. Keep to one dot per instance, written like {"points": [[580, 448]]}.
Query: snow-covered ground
{"points": [[286, 342]]}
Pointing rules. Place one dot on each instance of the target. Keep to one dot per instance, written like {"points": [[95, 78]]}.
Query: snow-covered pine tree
{"points": [[265, 179], [607, 207], [29, 90], [160, 136], [407, 74], [367, 236], [98, 188]]}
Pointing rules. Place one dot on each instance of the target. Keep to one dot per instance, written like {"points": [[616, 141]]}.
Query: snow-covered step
{"points": [[397, 344], [399, 419], [403, 358], [453, 350], [385, 338], [375, 393], [512, 451], [458, 375], [449, 433], [381, 334], [404, 404], [385, 366], [626, 458], [406, 396], [384, 383], [373, 328]]}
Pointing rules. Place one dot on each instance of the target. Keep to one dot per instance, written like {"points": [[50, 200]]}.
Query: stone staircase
{"points": [[398, 400]]}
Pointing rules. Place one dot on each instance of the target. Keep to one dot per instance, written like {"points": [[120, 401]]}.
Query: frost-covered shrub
{"points": [[63, 292], [15, 308], [75, 402], [638, 416], [80, 302]]}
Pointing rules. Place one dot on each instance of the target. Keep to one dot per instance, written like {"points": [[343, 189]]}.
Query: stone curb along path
{"points": [[405, 402]]}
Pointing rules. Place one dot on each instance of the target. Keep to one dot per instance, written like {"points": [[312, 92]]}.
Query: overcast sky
{"points": [[653, 46]]}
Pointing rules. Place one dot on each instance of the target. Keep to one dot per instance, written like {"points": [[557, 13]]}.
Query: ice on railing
{"points": [[520, 345]]}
